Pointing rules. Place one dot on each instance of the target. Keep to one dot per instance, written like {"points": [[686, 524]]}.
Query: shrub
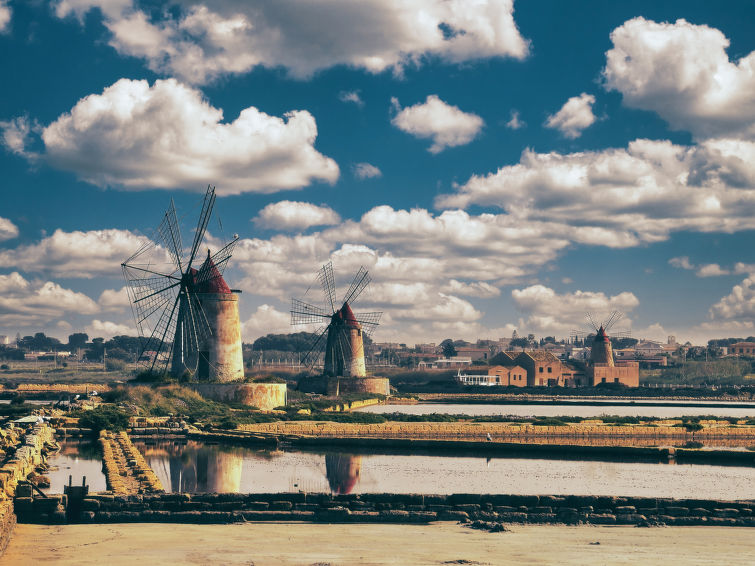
{"points": [[17, 399], [104, 418], [4, 366]]}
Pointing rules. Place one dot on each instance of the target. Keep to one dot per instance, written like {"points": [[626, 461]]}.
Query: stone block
{"points": [[726, 513], [281, 506], [601, 518], [629, 518], [453, 515], [676, 511]]}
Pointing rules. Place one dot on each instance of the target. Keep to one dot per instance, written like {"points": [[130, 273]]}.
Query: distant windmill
{"points": [[342, 331], [601, 350], [182, 312]]}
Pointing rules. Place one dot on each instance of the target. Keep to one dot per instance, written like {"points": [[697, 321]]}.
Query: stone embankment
{"points": [[662, 430], [397, 508], [72, 388], [352, 405], [126, 471], [23, 449]]}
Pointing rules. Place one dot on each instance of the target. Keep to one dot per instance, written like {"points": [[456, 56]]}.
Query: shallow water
{"points": [[76, 458], [567, 409], [194, 467]]}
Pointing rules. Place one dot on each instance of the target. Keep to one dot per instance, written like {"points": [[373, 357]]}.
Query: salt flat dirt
{"points": [[313, 544]]}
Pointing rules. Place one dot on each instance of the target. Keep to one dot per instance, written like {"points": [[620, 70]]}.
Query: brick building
{"points": [[543, 368]]}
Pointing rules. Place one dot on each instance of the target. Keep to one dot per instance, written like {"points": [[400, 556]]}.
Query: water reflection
{"points": [[195, 467], [342, 471], [565, 409], [77, 458]]}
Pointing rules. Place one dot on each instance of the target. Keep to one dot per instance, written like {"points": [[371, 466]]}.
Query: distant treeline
{"points": [[297, 342]]}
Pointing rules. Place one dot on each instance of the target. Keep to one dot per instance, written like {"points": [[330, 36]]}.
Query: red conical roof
{"points": [[212, 280], [601, 336], [348, 316]]}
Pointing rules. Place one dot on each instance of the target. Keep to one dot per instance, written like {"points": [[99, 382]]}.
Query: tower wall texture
{"points": [[223, 347], [357, 368]]}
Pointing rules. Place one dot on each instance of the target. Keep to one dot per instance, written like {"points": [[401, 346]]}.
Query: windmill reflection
{"points": [[342, 471], [195, 468]]}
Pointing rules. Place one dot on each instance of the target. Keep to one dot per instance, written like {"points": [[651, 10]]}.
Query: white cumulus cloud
{"points": [[107, 329], [551, 313], [711, 270], [290, 215], [8, 230], [199, 41], [114, 300], [75, 254], [25, 302], [138, 136], [515, 123], [352, 96], [622, 197], [366, 171], [739, 305], [575, 115], [265, 320], [5, 15], [446, 125], [682, 72], [681, 262]]}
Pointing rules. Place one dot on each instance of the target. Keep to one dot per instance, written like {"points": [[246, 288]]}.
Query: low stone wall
{"points": [[72, 388], [498, 431], [28, 444], [126, 471], [351, 405], [264, 396], [7, 522], [395, 508]]}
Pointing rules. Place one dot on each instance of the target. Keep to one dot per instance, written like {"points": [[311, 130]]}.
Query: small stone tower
{"points": [[602, 353], [344, 354], [220, 357]]}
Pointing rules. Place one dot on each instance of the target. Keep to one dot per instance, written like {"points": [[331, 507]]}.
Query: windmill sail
{"points": [[181, 312], [341, 331]]}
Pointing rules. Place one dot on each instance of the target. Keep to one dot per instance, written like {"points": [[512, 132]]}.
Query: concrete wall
{"points": [[264, 396]]}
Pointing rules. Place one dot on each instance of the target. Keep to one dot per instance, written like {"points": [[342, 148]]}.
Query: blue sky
{"points": [[495, 166]]}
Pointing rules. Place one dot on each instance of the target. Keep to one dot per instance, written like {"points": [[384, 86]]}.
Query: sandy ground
{"points": [[312, 544]]}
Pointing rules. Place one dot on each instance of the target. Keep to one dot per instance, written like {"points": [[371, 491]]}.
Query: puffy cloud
{"points": [[479, 289], [366, 171], [75, 254], [138, 136], [739, 305], [622, 197], [681, 262], [711, 270], [351, 96], [551, 313], [682, 72], [446, 125], [8, 230], [205, 40], [16, 135], [265, 320], [114, 300], [5, 14], [106, 329], [515, 123], [289, 215], [575, 115], [740, 267], [24, 302]]}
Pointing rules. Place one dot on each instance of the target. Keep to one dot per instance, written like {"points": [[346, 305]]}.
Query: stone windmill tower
{"points": [[340, 336], [601, 351], [188, 318]]}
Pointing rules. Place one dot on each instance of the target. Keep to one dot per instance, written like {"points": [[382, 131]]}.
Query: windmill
{"points": [[601, 351], [182, 313], [341, 330]]}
